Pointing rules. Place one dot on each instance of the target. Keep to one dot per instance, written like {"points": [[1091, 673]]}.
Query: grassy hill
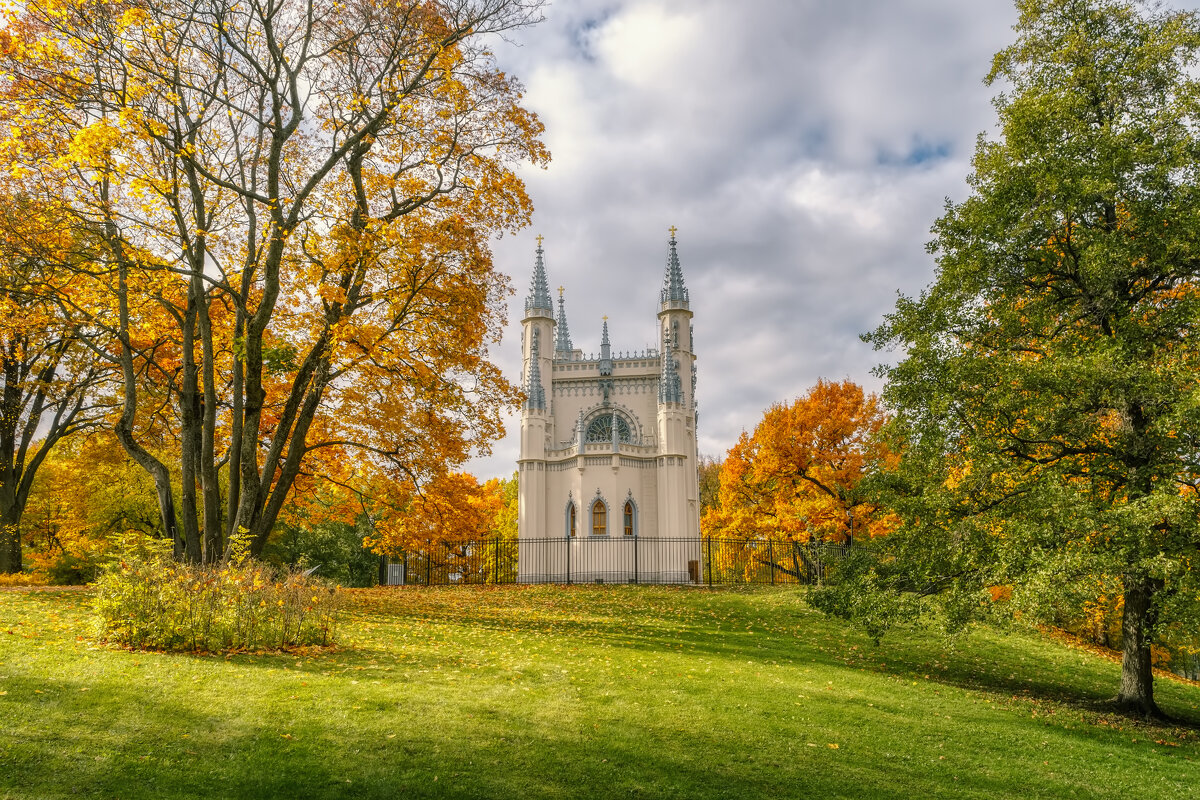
{"points": [[587, 692]]}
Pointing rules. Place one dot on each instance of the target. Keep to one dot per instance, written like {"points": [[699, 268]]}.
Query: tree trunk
{"points": [[10, 534], [124, 425], [1137, 676]]}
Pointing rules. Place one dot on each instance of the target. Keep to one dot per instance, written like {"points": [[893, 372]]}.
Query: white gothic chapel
{"points": [[608, 447]]}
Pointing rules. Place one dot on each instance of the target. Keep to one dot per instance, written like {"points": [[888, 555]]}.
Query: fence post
{"points": [[771, 556], [568, 543], [635, 563], [708, 543], [429, 562]]}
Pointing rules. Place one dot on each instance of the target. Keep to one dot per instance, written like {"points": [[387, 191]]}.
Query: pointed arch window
{"points": [[601, 429], [629, 518], [599, 521], [572, 522]]}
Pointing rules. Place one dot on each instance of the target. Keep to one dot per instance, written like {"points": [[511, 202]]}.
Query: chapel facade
{"points": [[607, 466]]}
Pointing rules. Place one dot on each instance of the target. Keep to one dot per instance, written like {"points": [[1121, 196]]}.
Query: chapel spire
{"points": [[539, 289], [562, 345], [674, 293]]}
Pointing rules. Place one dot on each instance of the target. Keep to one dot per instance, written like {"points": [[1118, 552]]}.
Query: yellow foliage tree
{"points": [[88, 492], [294, 202]]}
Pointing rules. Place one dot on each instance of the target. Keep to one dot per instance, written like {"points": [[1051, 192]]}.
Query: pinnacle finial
{"points": [[605, 351], [562, 342], [673, 231], [535, 393], [670, 388]]}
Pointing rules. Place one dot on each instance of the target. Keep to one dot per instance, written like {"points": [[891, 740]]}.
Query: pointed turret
{"points": [[606, 365], [535, 394], [562, 345], [674, 294], [539, 289]]}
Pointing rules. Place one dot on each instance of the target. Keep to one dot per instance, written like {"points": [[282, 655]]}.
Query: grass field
{"points": [[588, 692]]}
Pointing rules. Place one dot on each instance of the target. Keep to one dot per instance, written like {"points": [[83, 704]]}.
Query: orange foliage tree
{"points": [[447, 528], [293, 203], [797, 478]]}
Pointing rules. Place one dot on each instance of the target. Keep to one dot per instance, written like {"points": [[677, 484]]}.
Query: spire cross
{"points": [[605, 317], [673, 231], [539, 240], [560, 292]]}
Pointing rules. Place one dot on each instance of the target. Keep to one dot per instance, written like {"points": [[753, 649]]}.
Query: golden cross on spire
{"points": [[606, 317], [560, 292], [539, 240], [673, 231]]}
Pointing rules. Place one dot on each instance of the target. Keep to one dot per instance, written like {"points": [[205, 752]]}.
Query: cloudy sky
{"points": [[802, 147]]}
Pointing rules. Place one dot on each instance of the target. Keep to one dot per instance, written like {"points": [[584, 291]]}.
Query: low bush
{"points": [[148, 600]]}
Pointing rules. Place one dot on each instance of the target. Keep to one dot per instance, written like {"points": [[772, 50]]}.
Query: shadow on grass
{"points": [[116, 744], [796, 633]]}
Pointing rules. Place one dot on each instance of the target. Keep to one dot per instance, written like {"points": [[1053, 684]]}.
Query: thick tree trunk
{"points": [[1137, 676], [10, 533]]}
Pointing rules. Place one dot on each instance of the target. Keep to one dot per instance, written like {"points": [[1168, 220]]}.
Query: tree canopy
{"points": [[291, 205], [1047, 394]]}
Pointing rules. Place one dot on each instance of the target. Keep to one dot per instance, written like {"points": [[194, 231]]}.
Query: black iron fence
{"points": [[625, 559]]}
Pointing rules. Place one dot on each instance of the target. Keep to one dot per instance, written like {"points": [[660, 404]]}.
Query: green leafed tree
{"points": [[1048, 386]]}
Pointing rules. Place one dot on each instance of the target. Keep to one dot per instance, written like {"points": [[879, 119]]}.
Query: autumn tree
{"points": [[48, 377], [88, 495], [294, 201], [446, 525], [508, 490], [709, 475], [1047, 386], [797, 478]]}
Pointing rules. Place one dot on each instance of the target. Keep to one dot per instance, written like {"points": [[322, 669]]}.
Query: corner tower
{"points": [[537, 413], [678, 479]]}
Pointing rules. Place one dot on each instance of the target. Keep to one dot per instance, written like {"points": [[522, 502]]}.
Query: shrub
{"points": [[147, 600], [20, 579], [70, 569], [333, 550]]}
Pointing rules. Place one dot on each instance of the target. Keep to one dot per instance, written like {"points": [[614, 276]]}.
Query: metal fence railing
{"points": [[624, 559]]}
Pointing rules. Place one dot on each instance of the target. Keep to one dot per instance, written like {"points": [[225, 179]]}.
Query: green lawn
{"points": [[585, 692]]}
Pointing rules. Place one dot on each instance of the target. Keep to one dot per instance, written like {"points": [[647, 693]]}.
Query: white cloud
{"points": [[803, 147]]}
